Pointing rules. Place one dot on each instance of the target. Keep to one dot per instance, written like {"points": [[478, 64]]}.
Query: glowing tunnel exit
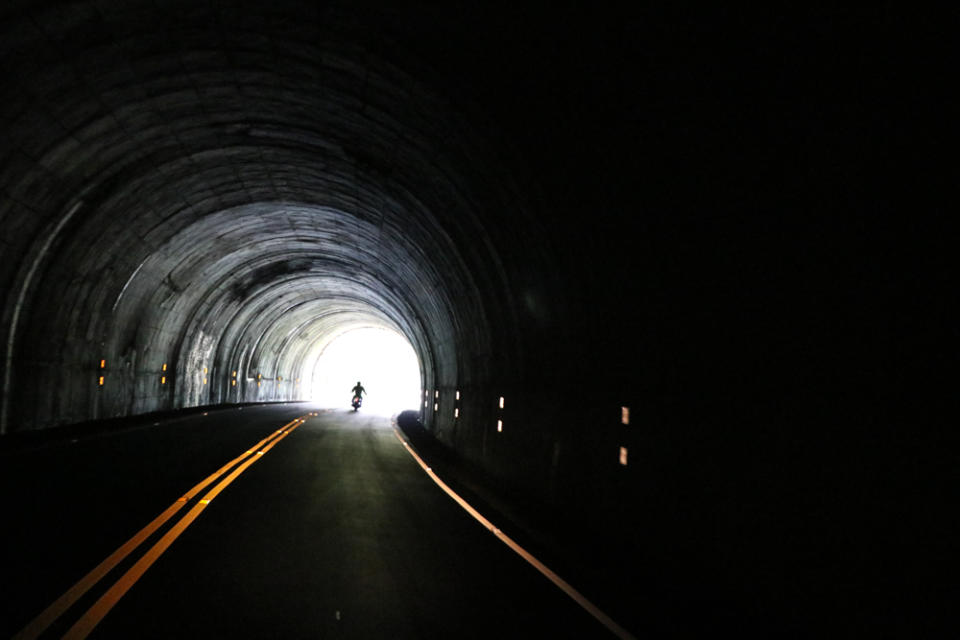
{"points": [[382, 359]]}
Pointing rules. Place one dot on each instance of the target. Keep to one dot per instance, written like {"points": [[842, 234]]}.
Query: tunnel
{"points": [[639, 253], [195, 216]]}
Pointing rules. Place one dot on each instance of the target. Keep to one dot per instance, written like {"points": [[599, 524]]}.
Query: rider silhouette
{"points": [[358, 390]]}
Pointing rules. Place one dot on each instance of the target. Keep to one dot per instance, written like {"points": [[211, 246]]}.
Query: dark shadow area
{"points": [[22, 441], [589, 555], [730, 221], [653, 566]]}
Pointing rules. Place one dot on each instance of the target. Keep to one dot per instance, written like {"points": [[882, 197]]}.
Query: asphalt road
{"points": [[334, 531]]}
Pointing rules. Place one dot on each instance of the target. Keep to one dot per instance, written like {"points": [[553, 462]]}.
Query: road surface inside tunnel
{"points": [[334, 531]]}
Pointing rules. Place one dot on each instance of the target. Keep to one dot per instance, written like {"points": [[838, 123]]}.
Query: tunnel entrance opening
{"points": [[382, 359]]}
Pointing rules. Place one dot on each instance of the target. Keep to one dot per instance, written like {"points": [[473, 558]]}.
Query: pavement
{"points": [[294, 522]]}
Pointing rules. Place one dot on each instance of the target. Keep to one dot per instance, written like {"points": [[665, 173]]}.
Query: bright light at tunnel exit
{"points": [[383, 360]]}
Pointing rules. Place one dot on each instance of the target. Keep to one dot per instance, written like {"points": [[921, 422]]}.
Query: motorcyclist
{"points": [[358, 390]]}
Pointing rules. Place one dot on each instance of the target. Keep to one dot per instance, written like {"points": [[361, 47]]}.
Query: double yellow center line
{"points": [[82, 627]]}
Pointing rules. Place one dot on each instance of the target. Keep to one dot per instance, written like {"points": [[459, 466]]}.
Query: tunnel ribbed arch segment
{"points": [[300, 350], [298, 344], [286, 350], [272, 336], [253, 279], [193, 179]]}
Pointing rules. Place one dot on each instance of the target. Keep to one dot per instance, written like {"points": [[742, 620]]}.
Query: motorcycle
{"points": [[357, 401]]}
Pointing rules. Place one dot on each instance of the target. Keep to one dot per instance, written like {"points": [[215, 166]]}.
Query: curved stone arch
{"points": [[168, 134]]}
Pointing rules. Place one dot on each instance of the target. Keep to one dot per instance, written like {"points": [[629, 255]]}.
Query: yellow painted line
{"points": [[47, 617], [82, 628], [564, 586]]}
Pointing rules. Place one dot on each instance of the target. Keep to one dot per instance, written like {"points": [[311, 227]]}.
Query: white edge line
{"points": [[564, 586]]}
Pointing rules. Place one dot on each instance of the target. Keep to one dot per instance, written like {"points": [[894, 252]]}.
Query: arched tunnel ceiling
{"points": [[724, 226], [225, 187], [529, 193]]}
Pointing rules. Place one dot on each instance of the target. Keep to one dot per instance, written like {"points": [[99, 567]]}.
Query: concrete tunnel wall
{"points": [[692, 214], [191, 194]]}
